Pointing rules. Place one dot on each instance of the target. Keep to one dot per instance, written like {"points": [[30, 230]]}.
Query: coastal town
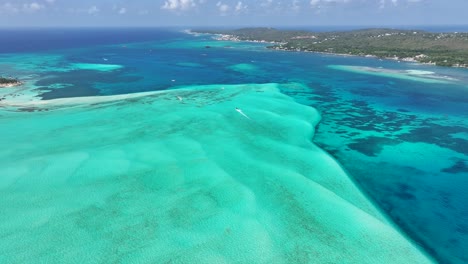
{"points": [[442, 49]]}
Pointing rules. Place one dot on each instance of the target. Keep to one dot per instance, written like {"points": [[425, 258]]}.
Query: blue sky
{"points": [[231, 12]]}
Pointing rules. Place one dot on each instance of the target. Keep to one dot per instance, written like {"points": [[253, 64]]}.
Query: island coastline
{"points": [[301, 41]]}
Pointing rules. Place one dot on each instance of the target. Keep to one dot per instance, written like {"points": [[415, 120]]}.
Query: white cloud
{"points": [[29, 7], [315, 3], [123, 10], [382, 3], [93, 10], [178, 5], [32, 7], [266, 3], [240, 7], [8, 8], [223, 8], [295, 6]]}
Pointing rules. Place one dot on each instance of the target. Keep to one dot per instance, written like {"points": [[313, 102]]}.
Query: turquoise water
{"points": [[137, 153], [155, 178]]}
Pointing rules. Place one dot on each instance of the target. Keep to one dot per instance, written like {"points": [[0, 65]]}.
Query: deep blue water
{"points": [[366, 119], [39, 39]]}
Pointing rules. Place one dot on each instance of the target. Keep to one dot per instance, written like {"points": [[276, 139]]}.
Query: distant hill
{"points": [[444, 49]]}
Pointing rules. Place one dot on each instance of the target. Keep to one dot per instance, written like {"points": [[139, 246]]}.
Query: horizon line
{"points": [[234, 26]]}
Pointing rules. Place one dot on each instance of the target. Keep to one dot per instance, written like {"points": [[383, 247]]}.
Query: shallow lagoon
{"points": [[384, 130], [181, 176]]}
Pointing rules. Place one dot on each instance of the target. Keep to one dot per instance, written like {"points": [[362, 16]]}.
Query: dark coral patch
{"points": [[371, 146], [459, 167]]}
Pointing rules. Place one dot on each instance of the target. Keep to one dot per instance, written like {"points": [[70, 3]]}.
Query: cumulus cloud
{"points": [[266, 3], [223, 8], [93, 10], [394, 3], [382, 3], [295, 6], [8, 8], [315, 3], [32, 7], [178, 5], [122, 10], [240, 7]]}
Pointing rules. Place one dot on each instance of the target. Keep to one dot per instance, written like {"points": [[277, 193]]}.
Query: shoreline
{"points": [[408, 59], [235, 38]]}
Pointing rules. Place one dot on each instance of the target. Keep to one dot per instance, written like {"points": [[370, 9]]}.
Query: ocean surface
{"points": [[159, 146]]}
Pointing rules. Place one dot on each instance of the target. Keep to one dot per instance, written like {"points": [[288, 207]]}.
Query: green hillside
{"points": [[444, 49]]}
